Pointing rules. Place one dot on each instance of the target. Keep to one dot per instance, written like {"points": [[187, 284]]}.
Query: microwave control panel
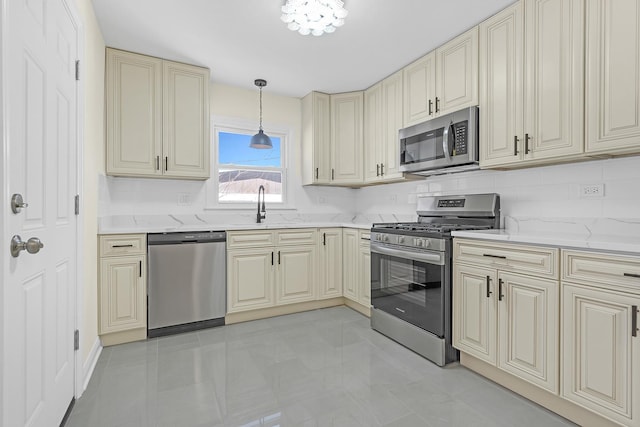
{"points": [[460, 138]]}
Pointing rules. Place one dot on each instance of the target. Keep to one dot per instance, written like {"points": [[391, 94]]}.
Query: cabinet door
{"points": [[501, 87], [372, 132], [528, 329], [474, 311], [600, 357], [316, 138], [613, 76], [419, 83], [134, 114], [364, 278], [457, 73], [346, 138], [296, 274], [330, 255], [554, 78], [391, 124], [123, 294], [185, 121], [250, 279], [350, 262]]}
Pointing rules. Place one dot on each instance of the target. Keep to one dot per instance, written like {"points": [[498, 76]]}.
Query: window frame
{"points": [[239, 126]]}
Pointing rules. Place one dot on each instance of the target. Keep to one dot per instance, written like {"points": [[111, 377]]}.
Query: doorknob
{"points": [[17, 203], [33, 245]]}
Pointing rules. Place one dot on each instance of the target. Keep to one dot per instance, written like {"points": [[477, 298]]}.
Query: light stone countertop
{"points": [[129, 224], [605, 242]]}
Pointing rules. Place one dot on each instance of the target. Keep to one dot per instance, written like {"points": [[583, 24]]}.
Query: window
{"points": [[241, 170]]}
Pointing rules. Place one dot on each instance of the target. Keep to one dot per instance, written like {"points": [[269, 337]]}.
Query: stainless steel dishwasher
{"points": [[187, 281]]}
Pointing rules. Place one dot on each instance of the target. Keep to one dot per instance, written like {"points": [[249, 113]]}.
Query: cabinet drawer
{"points": [[123, 244], [250, 239], [598, 268], [365, 235], [301, 236], [536, 260]]}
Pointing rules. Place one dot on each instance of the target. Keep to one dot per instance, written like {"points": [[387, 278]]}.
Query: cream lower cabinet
{"points": [[122, 288], [330, 263], [157, 117], [507, 319], [270, 268], [364, 263], [600, 348], [532, 103], [350, 253]]}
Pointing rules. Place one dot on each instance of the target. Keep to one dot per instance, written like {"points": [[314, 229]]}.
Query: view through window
{"points": [[242, 170]]}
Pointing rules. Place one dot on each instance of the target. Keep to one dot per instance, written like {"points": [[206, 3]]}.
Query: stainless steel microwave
{"points": [[446, 144]]}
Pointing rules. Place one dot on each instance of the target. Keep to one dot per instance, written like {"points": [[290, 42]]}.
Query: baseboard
{"points": [[358, 307], [245, 316], [89, 364]]}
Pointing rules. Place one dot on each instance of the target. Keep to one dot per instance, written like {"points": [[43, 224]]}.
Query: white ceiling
{"points": [[241, 40]]}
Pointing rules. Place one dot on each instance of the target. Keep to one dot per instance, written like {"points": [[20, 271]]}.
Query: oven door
{"points": [[410, 285]]}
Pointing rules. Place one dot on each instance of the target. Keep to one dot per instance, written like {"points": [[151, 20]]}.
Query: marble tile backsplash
{"points": [[541, 198]]}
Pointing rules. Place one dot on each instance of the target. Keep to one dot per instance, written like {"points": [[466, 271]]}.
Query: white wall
{"points": [[122, 196], [92, 77], [531, 196]]}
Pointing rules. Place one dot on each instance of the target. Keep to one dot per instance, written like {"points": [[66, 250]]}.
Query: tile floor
{"points": [[318, 368]]}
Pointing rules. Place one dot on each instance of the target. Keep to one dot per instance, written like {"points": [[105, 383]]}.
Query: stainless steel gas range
{"points": [[411, 271]]}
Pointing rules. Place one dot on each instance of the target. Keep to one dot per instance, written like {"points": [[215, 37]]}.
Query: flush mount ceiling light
{"points": [[260, 139], [314, 16]]}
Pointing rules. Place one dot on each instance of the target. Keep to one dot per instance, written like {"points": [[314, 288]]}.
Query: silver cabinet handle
{"points": [[17, 203], [33, 245]]}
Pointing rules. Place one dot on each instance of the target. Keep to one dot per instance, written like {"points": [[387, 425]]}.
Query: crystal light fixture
{"points": [[314, 16], [260, 139]]}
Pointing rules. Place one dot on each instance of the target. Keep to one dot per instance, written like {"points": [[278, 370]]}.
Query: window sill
{"points": [[253, 207]]}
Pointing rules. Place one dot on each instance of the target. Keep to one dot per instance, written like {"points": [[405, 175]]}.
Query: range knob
{"points": [[386, 238], [426, 243], [401, 239], [378, 236], [419, 242]]}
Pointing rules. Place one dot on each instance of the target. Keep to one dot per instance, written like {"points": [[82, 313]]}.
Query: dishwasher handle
{"points": [[186, 238]]}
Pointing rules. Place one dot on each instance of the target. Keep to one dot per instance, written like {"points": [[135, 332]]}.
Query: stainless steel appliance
{"points": [[187, 281], [446, 144], [411, 271]]}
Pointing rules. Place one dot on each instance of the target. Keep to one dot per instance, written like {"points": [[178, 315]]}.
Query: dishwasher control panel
{"points": [[186, 237]]}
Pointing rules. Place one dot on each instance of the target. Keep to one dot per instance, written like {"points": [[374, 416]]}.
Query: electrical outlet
{"points": [[184, 199], [592, 190], [322, 200], [393, 198]]}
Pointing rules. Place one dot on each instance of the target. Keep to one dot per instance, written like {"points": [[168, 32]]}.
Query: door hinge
{"points": [[77, 204], [76, 340], [77, 69]]}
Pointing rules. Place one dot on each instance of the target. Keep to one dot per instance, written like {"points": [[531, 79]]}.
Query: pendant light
{"points": [[260, 139]]}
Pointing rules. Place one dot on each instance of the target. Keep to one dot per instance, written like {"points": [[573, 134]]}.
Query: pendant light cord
{"points": [[260, 107]]}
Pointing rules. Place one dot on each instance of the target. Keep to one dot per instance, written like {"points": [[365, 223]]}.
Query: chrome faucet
{"points": [[261, 215]]}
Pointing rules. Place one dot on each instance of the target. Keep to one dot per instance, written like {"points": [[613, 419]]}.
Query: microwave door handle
{"points": [[445, 142]]}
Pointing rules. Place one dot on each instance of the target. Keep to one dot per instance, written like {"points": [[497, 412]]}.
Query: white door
{"points": [[39, 133]]}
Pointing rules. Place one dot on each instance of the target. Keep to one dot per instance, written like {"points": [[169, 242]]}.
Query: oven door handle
{"points": [[428, 257]]}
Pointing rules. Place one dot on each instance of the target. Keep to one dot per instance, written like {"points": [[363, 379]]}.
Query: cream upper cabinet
{"points": [[601, 334], [347, 138], [330, 263], [186, 120], [457, 73], [157, 117], [419, 90], [382, 121], [122, 288], [392, 108], [442, 81], [613, 77], [373, 132], [316, 138], [134, 113], [531, 104], [508, 319]]}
